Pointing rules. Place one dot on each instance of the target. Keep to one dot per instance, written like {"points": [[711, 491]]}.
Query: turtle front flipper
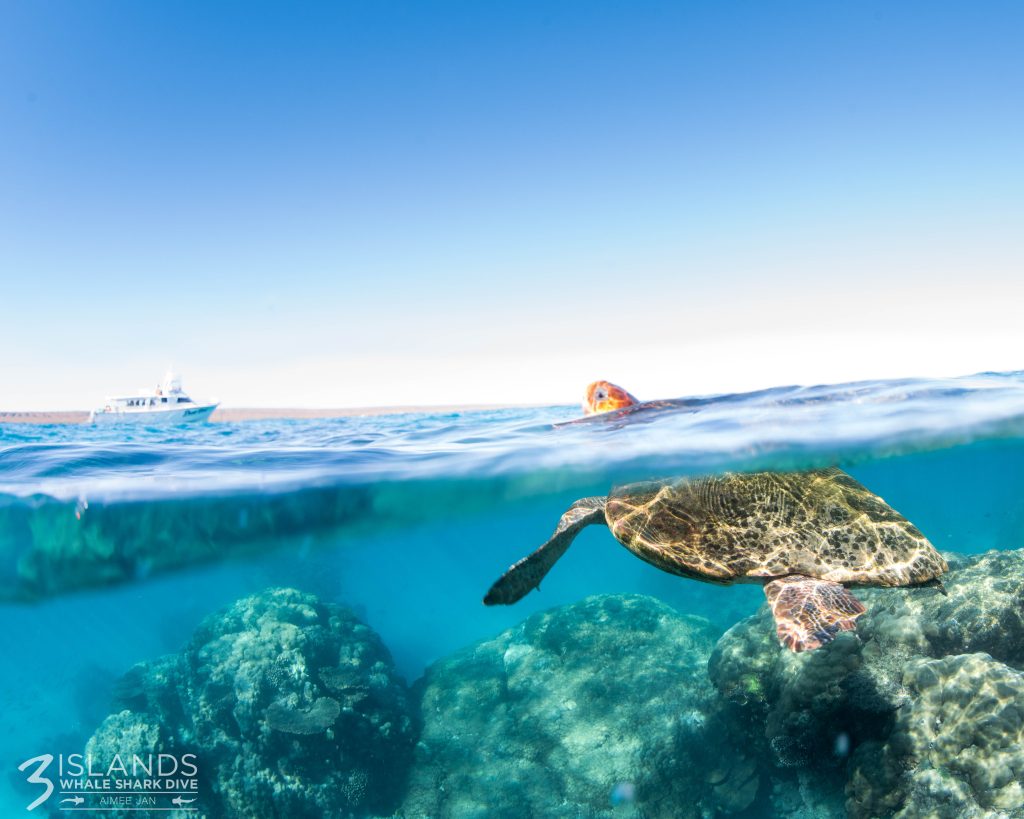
{"points": [[808, 612], [524, 576]]}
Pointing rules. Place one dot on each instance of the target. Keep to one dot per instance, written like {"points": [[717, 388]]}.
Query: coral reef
{"points": [[577, 710], [881, 711], [956, 748], [48, 547], [290, 704], [615, 706]]}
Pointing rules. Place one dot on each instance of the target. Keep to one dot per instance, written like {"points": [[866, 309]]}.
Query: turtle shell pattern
{"points": [[747, 527]]}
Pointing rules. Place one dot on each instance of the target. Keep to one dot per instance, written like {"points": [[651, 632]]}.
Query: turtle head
{"points": [[603, 396]]}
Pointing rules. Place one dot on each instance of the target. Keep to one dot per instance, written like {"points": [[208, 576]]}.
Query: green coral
{"points": [[751, 685]]}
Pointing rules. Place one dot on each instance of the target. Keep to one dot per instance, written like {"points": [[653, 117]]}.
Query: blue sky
{"points": [[348, 204]]}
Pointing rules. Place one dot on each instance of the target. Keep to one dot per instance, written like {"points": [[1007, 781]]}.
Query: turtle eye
{"points": [[601, 395]]}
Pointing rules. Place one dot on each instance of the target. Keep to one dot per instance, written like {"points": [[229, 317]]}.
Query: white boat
{"points": [[167, 404]]}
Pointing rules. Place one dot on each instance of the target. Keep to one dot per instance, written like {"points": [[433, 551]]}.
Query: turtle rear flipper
{"points": [[524, 576], [809, 613]]}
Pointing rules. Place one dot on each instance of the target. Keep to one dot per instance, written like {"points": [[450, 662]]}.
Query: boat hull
{"points": [[163, 417]]}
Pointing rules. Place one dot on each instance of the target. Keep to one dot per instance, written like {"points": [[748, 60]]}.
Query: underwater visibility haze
{"points": [[296, 606]]}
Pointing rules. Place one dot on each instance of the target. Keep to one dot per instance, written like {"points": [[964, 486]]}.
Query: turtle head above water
{"points": [[603, 396]]}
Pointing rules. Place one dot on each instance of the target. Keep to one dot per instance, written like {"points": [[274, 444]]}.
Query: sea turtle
{"points": [[604, 396], [804, 535]]}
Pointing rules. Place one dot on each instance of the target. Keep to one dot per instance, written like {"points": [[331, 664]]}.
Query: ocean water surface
{"points": [[298, 605]]}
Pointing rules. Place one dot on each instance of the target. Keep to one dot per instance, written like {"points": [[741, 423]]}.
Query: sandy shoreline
{"points": [[229, 414]]}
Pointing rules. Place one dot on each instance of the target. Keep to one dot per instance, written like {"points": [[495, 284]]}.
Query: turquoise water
{"points": [[117, 544]]}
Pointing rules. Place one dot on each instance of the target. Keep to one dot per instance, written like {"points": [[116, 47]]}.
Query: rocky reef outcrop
{"points": [[599, 708], [956, 748], [292, 707], [615, 706], [49, 548], [919, 713]]}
